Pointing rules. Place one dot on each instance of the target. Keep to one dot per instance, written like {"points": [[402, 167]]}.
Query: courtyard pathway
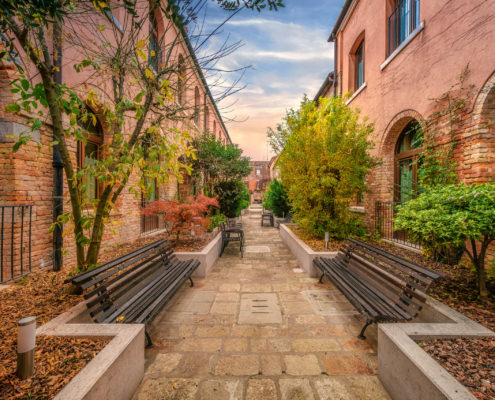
{"points": [[259, 328]]}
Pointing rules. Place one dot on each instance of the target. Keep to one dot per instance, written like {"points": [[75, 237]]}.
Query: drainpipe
{"points": [[333, 39], [58, 166]]}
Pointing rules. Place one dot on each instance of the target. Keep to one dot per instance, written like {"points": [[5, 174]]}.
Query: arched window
{"points": [[407, 151], [155, 57], [196, 104], [90, 152], [180, 79], [207, 118]]}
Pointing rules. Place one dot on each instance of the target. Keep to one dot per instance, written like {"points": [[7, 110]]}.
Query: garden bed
{"points": [[58, 359], [315, 243]]}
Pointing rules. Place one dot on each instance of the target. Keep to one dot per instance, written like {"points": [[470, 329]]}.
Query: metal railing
{"points": [[385, 212], [15, 241], [402, 21]]}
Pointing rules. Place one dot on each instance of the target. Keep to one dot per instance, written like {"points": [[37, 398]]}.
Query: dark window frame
{"points": [[401, 22], [359, 59]]}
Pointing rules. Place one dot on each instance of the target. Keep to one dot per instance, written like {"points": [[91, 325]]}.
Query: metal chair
{"points": [[231, 235], [267, 214]]}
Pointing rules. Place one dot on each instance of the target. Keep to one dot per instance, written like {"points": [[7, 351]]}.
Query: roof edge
{"points": [[340, 18]]}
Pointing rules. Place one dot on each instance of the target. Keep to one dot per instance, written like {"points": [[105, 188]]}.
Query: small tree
{"points": [[183, 218], [276, 199], [215, 162], [323, 164], [450, 215]]}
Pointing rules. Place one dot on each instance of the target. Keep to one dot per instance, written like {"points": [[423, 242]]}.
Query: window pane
{"points": [[90, 157], [360, 74], [405, 180]]}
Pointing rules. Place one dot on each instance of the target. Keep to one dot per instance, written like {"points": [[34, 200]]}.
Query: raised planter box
{"points": [[407, 371], [206, 257], [304, 254], [116, 371]]}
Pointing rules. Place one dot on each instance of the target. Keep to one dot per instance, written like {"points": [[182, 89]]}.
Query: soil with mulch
{"points": [[186, 243], [474, 366], [314, 242], [57, 359]]}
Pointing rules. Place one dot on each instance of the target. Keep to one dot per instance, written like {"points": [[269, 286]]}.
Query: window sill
{"points": [[401, 47], [357, 209], [356, 93]]}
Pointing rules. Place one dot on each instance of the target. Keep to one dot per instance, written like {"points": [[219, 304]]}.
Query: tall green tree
{"points": [[323, 164]]}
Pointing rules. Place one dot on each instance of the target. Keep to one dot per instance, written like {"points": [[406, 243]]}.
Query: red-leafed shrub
{"points": [[186, 217]]}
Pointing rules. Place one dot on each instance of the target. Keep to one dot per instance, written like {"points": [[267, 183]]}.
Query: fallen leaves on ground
{"points": [[57, 359]]}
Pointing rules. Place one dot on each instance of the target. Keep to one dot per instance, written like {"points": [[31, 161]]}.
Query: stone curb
{"points": [[206, 257], [406, 371], [304, 254], [116, 371]]}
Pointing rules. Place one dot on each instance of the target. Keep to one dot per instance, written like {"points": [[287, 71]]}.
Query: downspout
{"points": [[205, 111], [58, 166], [333, 39]]}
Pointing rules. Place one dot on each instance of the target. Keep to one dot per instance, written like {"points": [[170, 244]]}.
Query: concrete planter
{"points": [[206, 257], [304, 254], [116, 371], [407, 371]]}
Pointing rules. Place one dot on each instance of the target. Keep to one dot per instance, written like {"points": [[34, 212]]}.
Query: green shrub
{"points": [[276, 199], [448, 216], [231, 197]]}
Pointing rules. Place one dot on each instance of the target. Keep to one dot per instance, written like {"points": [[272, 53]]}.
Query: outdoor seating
{"points": [[234, 223], [133, 288], [231, 235], [380, 285], [267, 214], [284, 220]]}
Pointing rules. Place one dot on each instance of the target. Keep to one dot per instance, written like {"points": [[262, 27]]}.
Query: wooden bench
{"points": [[380, 285], [133, 288]]}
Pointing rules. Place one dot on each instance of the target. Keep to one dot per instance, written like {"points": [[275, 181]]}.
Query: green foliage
{"points": [[232, 197], [277, 199], [323, 165], [216, 220], [214, 162], [450, 215]]}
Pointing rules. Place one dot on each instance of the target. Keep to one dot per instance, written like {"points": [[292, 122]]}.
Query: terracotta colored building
{"points": [[395, 58], [27, 176], [258, 179]]}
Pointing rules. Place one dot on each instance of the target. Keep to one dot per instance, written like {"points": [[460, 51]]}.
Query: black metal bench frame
{"points": [[133, 288], [231, 234], [267, 214], [381, 286]]}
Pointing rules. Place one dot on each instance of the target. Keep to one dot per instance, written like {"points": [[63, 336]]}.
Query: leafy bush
{"points": [[231, 197], [276, 199], [216, 220], [450, 215], [183, 218], [324, 163]]}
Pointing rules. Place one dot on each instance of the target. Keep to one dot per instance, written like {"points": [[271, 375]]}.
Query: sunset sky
{"points": [[289, 55]]}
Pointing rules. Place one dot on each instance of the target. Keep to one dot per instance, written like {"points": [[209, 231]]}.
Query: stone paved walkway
{"points": [[259, 328]]}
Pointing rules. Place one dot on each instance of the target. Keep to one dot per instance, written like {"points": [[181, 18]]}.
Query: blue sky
{"points": [[289, 55]]}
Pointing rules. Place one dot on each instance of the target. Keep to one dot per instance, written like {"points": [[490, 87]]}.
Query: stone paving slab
{"points": [[208, 345]]}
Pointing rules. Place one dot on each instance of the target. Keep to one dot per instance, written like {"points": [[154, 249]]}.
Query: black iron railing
{"points": [[15, 241], [384, 224], [149, 223], [402, 21]]}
